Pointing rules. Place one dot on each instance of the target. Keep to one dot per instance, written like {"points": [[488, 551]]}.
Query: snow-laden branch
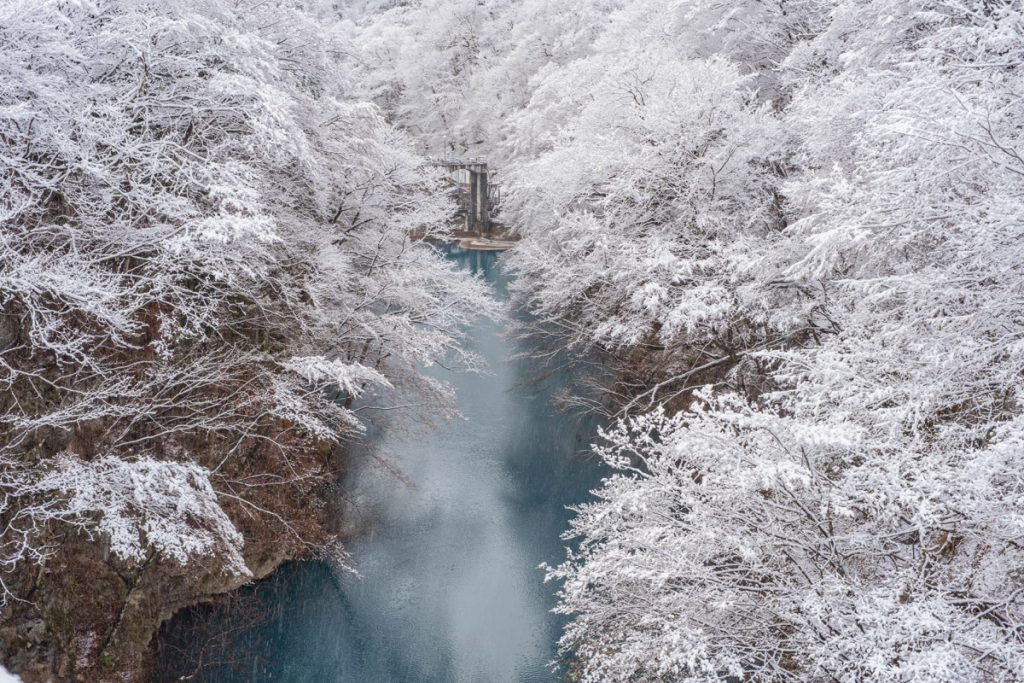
{"points": [[169, 508]]}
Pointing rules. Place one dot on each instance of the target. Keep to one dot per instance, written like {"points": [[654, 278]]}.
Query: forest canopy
{"points": [[790, 233], [206, 258], [792, 230]]}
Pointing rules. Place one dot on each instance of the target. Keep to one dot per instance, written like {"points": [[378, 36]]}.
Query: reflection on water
{"points": [[450, 589]]}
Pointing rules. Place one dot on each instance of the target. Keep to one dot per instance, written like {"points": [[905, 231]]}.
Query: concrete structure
{"points": [[475, 193]]}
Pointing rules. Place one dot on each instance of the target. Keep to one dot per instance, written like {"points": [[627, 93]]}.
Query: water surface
{"points": [[450, 590]]}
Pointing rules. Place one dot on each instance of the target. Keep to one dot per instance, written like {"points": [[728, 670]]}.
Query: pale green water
{"points": [[450, 589]]}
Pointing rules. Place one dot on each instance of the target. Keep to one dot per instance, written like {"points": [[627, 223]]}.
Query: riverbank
{"points": [[498, 240], [486, 243]]}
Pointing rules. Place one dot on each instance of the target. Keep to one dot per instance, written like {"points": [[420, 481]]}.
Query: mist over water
{"points": [[450, 589]]}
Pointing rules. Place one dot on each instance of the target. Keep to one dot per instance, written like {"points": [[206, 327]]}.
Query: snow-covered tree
{"points": [[816, 206], [744, 542], [206, 257], [861, 521], [452, 72]]}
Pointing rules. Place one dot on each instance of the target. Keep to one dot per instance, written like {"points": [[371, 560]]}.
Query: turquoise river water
{"points": [[450, 589]]}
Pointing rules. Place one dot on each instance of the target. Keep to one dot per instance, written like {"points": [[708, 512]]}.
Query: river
{"points": [[450, 589]]}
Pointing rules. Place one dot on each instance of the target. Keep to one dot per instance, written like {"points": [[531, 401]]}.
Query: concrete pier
{"points": [[475, 195]]}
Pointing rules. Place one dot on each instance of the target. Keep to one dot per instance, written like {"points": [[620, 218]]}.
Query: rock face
{"points": [[91, 620], [85, 616]]}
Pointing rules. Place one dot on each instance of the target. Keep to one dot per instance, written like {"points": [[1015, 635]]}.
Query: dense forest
{"points": [[789, 233], [794, 230], [206, 259]]}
